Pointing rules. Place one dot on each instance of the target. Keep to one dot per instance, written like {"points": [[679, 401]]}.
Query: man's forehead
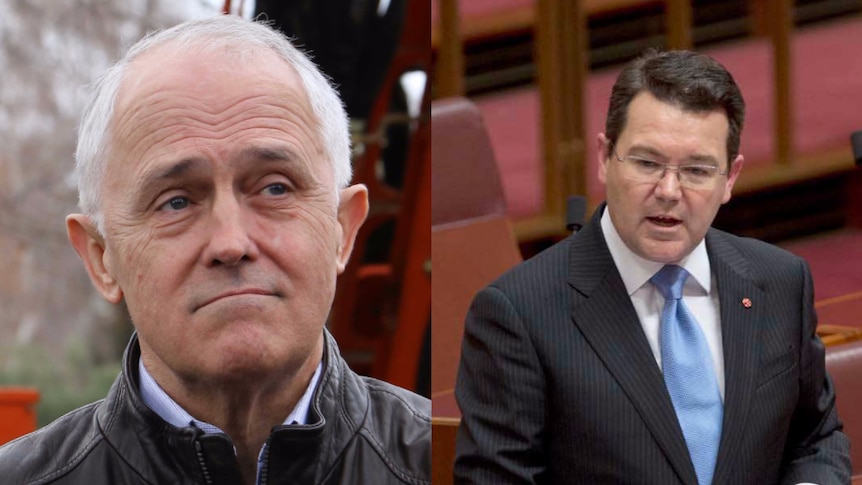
{"points": [[647, 109], [170, 89], [207, 71]]}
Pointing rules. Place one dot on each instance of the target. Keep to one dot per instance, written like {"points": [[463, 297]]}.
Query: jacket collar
{"points": [[162, 453]]}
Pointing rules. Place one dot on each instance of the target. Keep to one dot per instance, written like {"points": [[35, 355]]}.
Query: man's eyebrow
{"points": [[268, 153], [282, 156], [697, 159], [152, 179], [174, 170], [645, 150], [703, 160]]}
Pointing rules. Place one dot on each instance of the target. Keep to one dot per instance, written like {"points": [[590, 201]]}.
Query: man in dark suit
{"points": [[650, 348]]}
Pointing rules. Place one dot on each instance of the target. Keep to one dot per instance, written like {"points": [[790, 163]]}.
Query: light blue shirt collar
{"points": [[158, 400]]}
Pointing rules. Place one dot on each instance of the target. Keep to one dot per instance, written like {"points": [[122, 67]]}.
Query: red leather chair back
{"points": [[844, 364], [471, 238]]}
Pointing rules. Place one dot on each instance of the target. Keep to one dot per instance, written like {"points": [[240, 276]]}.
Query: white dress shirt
{"points": [[699, 293]]}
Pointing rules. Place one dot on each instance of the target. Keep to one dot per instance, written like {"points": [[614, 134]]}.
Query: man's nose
{"points": [[230, 241], [668, 186]]}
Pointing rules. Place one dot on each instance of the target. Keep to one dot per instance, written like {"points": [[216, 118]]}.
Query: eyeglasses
{"points": [[692, 176]]}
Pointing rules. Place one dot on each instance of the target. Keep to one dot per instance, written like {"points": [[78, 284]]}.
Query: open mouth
{"points": [[664, 221]]}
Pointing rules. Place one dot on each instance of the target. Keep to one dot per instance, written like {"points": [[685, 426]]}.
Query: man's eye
{"points": [[644, 163], [175, 204], [698, 171], [275, 189]]}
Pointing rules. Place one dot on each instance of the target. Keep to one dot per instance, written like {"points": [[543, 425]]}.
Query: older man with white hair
{"points": [[214, 169]]}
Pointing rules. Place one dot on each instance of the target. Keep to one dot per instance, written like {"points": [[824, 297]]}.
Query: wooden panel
{"points": [[781, 19], [574, 47], [464, 263], [522, 18], [678, 23], [838, 334], [449, 69], [444, 426], [835, 315], [443, 432], [561, 52], [839, 318]]}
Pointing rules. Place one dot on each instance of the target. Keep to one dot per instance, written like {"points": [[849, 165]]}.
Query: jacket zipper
{"points": [[202, 463], [265, 468]]}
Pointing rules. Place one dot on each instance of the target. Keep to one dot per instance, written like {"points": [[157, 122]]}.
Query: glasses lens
{"points": [[690, 176], [697, 176]]}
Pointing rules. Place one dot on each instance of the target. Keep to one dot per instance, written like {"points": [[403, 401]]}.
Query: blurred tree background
{"points": [[56, 332]]}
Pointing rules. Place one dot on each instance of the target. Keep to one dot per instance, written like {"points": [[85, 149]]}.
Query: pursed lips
{"points": [[243, 291]]}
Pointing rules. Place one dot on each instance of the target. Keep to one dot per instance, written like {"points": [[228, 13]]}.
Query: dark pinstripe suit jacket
{"points": [[557, 382]]}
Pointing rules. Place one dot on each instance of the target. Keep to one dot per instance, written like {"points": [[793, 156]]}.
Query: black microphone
{"points": [[856, 141], [576, 208]]}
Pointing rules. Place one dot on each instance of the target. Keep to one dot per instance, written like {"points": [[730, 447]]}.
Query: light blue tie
{"points": [[688, 374]]}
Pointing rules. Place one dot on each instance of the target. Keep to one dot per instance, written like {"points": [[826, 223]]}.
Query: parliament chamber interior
{"points": [[520, 91]]}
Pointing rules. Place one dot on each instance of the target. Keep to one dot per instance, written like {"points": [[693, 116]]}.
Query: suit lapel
{"points": [[739, 330], [604, 313]]}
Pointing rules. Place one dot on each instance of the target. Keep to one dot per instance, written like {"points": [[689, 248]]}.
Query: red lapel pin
{"points": [[746, 302]]}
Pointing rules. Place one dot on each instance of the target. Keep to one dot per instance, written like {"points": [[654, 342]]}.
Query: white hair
{"points": [[94, 133]]}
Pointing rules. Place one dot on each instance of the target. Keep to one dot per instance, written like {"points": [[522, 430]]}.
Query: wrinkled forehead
{"points": [[174, 92], [213, 75]]}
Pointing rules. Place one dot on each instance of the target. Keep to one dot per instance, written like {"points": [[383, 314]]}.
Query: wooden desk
{"points": [[444, 425], [839, 318], [838, 334]]}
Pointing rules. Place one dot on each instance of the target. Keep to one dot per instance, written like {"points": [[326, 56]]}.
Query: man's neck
{"points": [[244, 409]]}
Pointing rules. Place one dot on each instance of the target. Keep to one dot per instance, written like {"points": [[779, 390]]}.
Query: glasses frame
{"points": [[668, 166]]}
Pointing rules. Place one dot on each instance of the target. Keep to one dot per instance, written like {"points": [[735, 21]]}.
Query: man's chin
{"points": [[240, 366], [665, 252], [250, 349]]}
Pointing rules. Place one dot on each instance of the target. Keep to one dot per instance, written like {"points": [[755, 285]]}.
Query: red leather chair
{"points": [[472, 241], [844, 364]]}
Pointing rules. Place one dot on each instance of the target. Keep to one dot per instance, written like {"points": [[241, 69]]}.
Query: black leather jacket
{"points": [[361, 431]]}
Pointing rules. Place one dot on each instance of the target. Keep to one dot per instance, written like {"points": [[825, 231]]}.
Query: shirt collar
{"points": [[636, 271], [158, 400]]}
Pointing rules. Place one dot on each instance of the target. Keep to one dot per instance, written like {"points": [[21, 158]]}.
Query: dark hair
{"points": [[692, 81]]}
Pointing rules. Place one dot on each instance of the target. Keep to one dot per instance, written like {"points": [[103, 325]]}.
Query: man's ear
{"points": [[733, 173], [90, 246], [603, 146], [352, 211]]}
